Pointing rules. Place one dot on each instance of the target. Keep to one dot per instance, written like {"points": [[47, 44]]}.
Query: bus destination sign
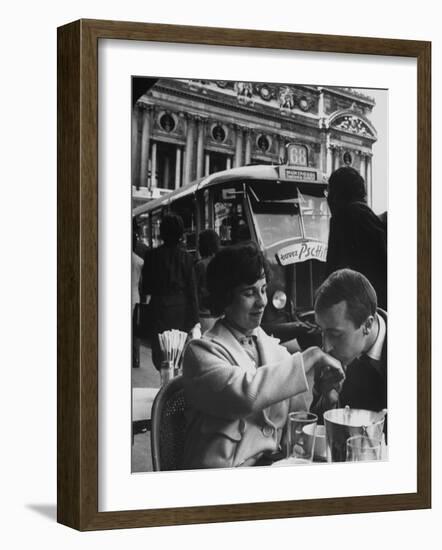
{"points": [[301, 252], [300, 175]]}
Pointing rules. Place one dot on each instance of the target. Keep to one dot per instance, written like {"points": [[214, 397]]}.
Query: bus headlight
{"points": [[279, 299]]}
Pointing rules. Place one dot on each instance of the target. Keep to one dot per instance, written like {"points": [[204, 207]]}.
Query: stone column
{"points": [[207, 164], [229, 163], [153, 176], [362, 169], [178, 167], [369, 182], [145, 142], [136, 148], [238, 147], [248, 136], [323, 153], [336, 159], [329, 156], [189, 154], [321, 107], [200, 148]]}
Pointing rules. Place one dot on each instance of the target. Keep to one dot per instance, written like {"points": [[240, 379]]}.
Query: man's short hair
{"points": [[171, 229], [231, 267], [353, 288]]}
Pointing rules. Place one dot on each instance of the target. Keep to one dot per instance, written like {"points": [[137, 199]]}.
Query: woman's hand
{"points": [[328, 370]]}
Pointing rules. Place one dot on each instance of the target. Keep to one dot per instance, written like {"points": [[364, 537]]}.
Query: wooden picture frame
{"points": [[77, 386]]}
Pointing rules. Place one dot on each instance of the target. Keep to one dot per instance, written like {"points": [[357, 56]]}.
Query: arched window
{"points": [[218, 133], [347, 158], [167, 122], [263, 143]]}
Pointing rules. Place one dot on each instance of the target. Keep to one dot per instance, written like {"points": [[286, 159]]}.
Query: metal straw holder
{"points": [[166, 372]]}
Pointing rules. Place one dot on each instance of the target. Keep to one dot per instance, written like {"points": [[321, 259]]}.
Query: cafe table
{"points": [[291, 461]]}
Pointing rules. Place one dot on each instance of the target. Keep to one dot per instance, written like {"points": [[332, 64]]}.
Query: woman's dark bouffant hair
{"points": [[231, 267], [345, 185], [171, 229], [208, 243]]}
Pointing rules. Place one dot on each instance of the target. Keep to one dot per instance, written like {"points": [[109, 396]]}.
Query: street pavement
{"points": [[145, 376]]}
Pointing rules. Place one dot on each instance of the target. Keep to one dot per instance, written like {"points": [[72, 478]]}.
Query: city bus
{"points": [[282, 208]]}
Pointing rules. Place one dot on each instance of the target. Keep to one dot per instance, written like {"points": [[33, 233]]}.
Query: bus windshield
{"points": [[288, 214]]}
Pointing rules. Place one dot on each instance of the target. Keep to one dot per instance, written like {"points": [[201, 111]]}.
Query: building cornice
{"points": [[248, 114], [350, 94]]}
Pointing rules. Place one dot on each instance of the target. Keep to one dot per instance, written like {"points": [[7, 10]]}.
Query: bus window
{"points": [[155, 221], [284, 214], [185, 208], [206, 209], [276, 226], [315, 214], [144, 229], [229, 218]]}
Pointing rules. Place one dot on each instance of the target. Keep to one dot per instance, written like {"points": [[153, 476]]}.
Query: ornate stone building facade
{"points": [[185, 129]]}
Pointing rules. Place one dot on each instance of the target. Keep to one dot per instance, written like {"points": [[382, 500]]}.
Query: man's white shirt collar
{"points": [[375, 352]]}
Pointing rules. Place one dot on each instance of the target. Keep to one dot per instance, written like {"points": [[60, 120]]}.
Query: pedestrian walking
{"points": [[358, 237], [168, 278]]}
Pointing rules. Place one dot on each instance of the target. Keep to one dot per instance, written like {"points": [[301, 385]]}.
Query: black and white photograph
{"points": [[259, 274], [221, 381]]}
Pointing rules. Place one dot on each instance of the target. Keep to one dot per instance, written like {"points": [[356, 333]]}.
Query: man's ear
{"points": [[368, 325]]}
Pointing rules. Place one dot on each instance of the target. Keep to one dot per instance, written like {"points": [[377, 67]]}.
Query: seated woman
{"points": [[240, 384]]}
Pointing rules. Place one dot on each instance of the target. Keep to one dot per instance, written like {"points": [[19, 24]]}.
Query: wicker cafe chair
{"points": [[168, 426]]}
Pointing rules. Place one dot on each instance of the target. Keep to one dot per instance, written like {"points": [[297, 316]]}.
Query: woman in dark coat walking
{"points": [[168, 276], [358, 237]]}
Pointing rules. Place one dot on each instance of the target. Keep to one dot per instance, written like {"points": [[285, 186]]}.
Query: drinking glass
{"points": [[301, 442], [361, 448]]}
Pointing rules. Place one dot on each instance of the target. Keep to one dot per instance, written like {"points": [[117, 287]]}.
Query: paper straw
{"points": [[174, 350], [183, 337]]}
